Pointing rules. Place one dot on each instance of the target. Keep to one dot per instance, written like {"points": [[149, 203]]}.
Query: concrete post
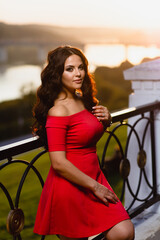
{"points": [[146, 89]]}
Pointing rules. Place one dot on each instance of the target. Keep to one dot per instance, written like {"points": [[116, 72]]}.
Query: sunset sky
{"points": [[142, 15], [139, 14]]}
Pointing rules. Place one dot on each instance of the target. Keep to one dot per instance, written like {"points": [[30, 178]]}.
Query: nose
{"points": [[78, 73]]}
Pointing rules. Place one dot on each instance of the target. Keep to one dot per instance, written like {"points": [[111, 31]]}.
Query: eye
{"points": [[81, 67], [69, 69]]}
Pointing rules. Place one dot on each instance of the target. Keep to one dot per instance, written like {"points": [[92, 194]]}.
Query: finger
{"points": [[98, 107], [112, 198], [101, 109], [100, 118], [106, 118], [106, 201], [97, 111], [100, 114]]}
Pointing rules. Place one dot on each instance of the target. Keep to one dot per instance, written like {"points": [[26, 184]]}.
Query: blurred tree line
{"points": [[16, 117], [112, 91]]}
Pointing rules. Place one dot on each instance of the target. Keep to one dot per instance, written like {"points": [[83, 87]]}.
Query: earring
{"points": [[78, 92]]}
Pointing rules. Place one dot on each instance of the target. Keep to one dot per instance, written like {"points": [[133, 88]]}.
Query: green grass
{"points": [[115, 180], [30, 194], [10, 176], [121, 133]]}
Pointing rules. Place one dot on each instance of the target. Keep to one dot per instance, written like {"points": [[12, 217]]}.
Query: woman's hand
{"points": [[105, 194], [102, 115]]}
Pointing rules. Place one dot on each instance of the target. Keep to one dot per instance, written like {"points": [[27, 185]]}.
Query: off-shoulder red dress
{"points": [[66, 208]]}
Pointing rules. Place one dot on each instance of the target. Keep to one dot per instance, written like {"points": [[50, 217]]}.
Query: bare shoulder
{"points": [[58, 111]]}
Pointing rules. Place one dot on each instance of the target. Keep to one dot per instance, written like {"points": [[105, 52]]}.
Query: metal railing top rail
{"points": [[19, 147], [133, 111]]}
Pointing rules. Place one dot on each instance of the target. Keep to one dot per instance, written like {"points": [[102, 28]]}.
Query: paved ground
{"points": [[147, 226]]}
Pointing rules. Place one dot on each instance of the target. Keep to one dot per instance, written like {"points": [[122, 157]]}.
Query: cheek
{"points": [[66, 77], [67, 80]]}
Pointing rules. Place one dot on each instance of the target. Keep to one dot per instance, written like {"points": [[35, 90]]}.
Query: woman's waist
{"points": [[84, 159], [80, 150]]}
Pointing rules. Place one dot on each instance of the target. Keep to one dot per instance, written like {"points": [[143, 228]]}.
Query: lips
{"points": [[78, 81]]}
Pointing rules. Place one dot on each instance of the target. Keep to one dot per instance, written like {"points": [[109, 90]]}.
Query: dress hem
{"points": [[89, 234]]}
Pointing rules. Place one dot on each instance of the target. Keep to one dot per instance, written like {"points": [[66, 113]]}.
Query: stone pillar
{"points": [[146, 89]]}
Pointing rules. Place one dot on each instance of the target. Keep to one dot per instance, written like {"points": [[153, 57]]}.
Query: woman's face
{"points": [[74, 73]]}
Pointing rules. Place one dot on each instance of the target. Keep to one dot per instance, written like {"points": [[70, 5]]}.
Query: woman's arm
{"points": [[66, 169]]}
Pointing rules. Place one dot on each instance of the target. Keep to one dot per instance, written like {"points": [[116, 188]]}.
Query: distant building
{"points": [[3, 55]]}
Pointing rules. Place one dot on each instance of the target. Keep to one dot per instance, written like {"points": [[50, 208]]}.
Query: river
{"points": [[15, 80]]}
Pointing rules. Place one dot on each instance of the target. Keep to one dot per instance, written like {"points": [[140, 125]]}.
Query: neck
{"points": [[66, 95]]}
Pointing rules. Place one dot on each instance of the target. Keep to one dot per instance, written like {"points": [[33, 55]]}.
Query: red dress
{"points": [[66, 208]]}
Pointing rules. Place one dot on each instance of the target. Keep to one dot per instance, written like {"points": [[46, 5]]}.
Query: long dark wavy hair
{"points": [[51, 86]]}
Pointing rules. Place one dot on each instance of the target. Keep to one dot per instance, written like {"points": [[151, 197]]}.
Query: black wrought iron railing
{"points": [[8, 157], [144, 115]]}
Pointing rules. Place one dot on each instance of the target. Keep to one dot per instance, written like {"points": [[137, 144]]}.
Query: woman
{"points": [[76, 201]]}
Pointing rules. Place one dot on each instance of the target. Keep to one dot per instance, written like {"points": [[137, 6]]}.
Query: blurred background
{"points": [[114, 35]]}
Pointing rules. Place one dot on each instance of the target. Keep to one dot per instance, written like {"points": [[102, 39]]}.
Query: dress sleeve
{"points": [[56, 128]]}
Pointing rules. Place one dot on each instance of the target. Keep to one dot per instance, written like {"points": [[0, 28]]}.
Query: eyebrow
{"points": [[69, 66], [73, 65]]}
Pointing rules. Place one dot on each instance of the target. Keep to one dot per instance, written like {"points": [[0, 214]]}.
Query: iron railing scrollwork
{"points": [[16, 217], [141, 158]]}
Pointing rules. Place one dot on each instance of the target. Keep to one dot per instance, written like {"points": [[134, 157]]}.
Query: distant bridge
{"points": [[42, 46]]}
